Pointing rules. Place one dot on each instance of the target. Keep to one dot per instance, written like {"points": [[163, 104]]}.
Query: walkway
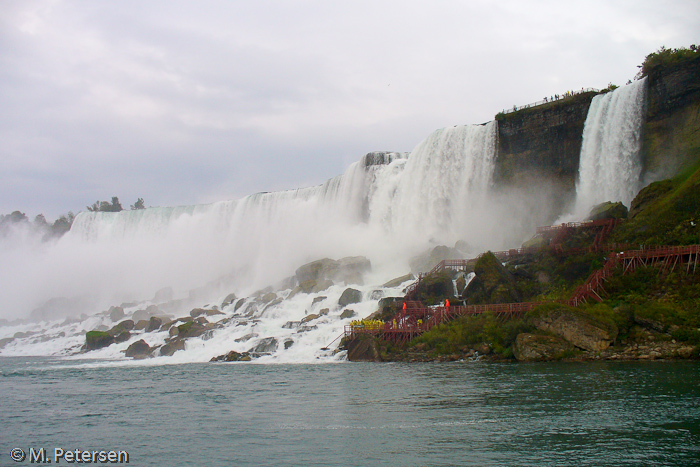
{"points": [[417, 318]]}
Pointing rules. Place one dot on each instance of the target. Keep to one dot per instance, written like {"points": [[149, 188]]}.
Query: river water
{"points": [[355, 414]]}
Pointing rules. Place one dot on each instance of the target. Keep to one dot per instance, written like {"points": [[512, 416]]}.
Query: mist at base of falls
{"points": [[387, 207]]}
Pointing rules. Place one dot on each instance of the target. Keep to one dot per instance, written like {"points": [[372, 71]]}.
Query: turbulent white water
{"points": [[610, 166], [386, 207]]}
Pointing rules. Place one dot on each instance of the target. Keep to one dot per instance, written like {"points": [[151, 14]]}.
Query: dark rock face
{"points": [[138, 350], [535, 347], [122, 337], [492, 284], [543, 143], [349, 297], [230, 298], [363, 349]]}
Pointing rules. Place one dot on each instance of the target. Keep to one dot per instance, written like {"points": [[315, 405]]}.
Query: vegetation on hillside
{"points": [[664, 57]]}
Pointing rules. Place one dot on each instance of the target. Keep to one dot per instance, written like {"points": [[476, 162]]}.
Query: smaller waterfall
{"points": [[610, 166]]}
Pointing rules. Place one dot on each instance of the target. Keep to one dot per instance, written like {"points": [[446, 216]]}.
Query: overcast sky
{"points": [[183, 102]]}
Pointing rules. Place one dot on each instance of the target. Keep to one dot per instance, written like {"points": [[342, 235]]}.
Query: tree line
{"points": [[63, 223]]}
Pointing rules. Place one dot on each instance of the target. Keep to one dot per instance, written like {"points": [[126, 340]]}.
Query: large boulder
{"points": [[348, 270], [116, 313], [315, 270], [349, 297], [608, 210], [535, 347], [492, 283], [171, 347], [98, 339], [577, 327], [154, 324], [138, 350]]}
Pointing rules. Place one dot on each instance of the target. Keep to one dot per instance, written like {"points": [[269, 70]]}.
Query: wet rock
{"points": [[265, 346], [268, 297], [247, 337], [306, 329], [291, 324], [171, 347], [324, 311], [288, 343], [318, 299], [349, 297], [4, 342], [201, 312], [310, 317], [152, 310], [154, 324], [126, 325], [138, 350], [191, 329], [116, 313], [232, 356], [98, 339], [376, 295], [122, 337], [535, 347], [347, 313], [141, 325], [230, 298]]}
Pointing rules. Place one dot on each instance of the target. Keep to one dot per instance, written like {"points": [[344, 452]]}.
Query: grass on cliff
{"points": [[664, 213], [466, 332]]}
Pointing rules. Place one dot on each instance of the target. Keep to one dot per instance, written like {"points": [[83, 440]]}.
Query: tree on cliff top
{"points": [[666, 57], [106, 206]]}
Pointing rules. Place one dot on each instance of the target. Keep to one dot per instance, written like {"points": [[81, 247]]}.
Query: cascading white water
{"points": [[387, 207], [610, 166]]}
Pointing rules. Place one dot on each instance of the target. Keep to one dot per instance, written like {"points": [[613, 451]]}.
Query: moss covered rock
{"points": [[575, 326], [492, 284], [98, 339], [608, 210], [536, 347]]}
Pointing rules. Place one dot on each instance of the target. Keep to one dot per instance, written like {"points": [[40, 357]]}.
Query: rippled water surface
{"points": [[352, 414]]}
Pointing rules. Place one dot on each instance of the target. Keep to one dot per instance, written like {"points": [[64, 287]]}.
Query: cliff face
{"points": [[539, 149], [543, 140], [672, 128]]}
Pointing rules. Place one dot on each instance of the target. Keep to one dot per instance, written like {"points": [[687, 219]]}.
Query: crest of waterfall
{"points": [[437, 192], [610, 166]]}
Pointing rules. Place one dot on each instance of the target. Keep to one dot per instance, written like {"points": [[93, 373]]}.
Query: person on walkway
{"points": [[447, 304]]}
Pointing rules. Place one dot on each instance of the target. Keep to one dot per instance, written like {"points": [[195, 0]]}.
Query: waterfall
{"points": [[610, 166], [386, 207]]}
